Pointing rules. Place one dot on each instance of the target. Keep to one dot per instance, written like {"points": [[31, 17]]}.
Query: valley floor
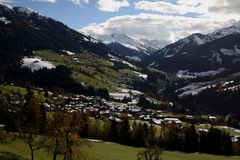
{"points": [[17, 150]]}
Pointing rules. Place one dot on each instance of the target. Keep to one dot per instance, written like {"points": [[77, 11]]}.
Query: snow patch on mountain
{"points": [[69, 52], [217, 57], [130, 46], [231, 52], [141, 75], [25, 10], [133, 58], [169, 56], [5, 20], [36, 64], [116, 59], [185, 74], [192, 89]]}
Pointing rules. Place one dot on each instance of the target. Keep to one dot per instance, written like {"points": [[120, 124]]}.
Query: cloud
{"points": [[79, 2], [226, 7], [168, 7], [217, 9], [7, 1], [49, 1], [171, 21], [155, 26], [111, 5]]}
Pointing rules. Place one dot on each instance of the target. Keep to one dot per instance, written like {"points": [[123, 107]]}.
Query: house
{"points": [[203, 130], [172, 120], [2, 126], [235, 139], [157, 121]]}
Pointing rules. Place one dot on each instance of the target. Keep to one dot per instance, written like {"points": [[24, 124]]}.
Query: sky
{"points": [[151, 19]]}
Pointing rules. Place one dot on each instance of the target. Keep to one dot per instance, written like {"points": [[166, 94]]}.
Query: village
{"points": [[116, 109]]}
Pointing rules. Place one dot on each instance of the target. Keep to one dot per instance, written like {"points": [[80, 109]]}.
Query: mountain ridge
{"points": [[200, 53], [28, 30], [129, 46]]}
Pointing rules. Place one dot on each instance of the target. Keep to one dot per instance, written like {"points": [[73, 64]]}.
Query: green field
{"points": [[93, 70], [8, 89], [17, 150], [90, 69]]}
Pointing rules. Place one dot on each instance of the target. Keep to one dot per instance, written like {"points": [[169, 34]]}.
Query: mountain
{"points": [[23, 30], [201, 55], [38, 49], [131, 47]]}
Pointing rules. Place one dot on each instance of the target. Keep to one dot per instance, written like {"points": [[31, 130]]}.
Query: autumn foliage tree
{"points": [[150, 153], [29, 123], [63, 136]]}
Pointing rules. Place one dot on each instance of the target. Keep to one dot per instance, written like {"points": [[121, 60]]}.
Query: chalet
{"points": [[15, 99], [203, 130], [235, 139], [157, 121], [172, 120], [2, 126]]}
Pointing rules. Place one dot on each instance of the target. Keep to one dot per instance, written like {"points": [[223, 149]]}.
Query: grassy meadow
{"points": [[17, 150]]}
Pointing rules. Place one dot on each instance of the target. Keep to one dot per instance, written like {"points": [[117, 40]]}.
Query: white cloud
{"points": [[168, 7], [112, 5], [79, 2], [6, 1], [155, 26], [171, 21], [49, 1], [215, 9]]}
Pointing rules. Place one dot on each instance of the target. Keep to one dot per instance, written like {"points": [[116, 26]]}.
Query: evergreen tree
{"points": [[1, 79], [113, 132], [46, 92], [140, 135], [124, 132], [172, 137], [151, 136], [190, 139], [85, 128], [106, 130], [134, 134], [203, 142], [43, 119], [228, 146]]}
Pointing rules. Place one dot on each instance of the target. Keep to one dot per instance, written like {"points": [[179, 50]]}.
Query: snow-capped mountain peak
{"points": [[25, 10], [237, 24], [141, 45], [6, 6], [118, 38], [201, 52], [233, 29], [185, 44]]}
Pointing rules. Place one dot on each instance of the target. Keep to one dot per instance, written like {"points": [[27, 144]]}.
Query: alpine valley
{"points": [[111, 78], [190, 67]]}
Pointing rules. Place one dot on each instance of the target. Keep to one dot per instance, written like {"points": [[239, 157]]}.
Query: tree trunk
{"points": [[32, 156], [54, 156], [65, 156], [55, 150]]}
